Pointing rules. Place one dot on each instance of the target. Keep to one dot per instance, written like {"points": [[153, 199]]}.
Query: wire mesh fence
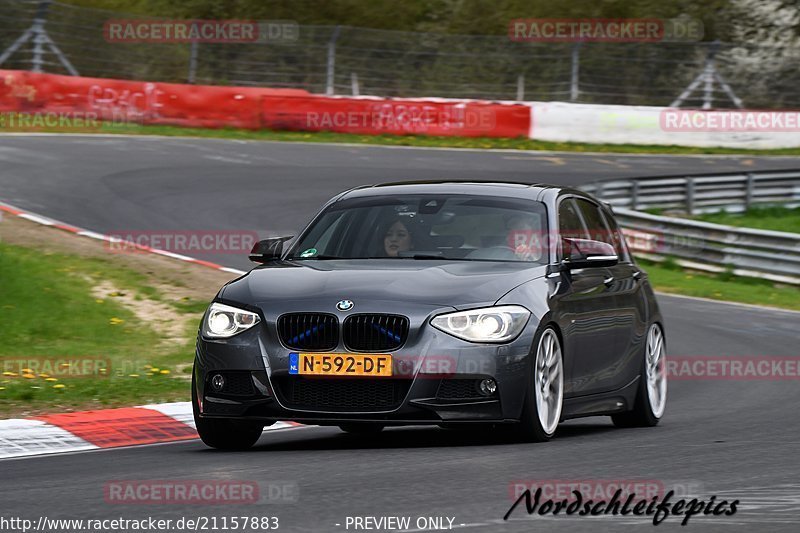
{"points": [[347, 60]]}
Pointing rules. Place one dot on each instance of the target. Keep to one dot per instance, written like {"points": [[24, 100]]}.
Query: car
{"points": [[491, 304]]}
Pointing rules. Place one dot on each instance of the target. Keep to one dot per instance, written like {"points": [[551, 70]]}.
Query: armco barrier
{"points": [[121, 101], [702, 193], [771, 255]]}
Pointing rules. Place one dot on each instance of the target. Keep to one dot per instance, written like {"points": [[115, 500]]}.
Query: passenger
{"points": [[397, 239]]}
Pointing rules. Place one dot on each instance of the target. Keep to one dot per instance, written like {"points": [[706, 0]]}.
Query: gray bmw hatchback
{"points": [[444, 303]]}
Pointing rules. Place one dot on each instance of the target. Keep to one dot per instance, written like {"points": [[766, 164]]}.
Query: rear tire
{"points": [[651, 395], [544, 397], [224, 434], [362, 428]]}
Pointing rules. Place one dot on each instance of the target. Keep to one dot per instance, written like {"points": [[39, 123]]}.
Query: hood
{"points": [[459, 284]]}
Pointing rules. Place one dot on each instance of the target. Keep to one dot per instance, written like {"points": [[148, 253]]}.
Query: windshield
{"points": [[452, 227]]}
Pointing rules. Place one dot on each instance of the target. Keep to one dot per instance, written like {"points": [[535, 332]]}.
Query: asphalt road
{"points": [[133, 184], [732, 439]]}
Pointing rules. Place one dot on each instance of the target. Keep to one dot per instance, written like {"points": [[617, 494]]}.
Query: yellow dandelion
{"points": [[10, 374], [2, 388], [59, 386], [44, 375], [114, 321], [165, 371], [133, 375], [27, 370], [99, 301], [154, 369], [29, 376], [51, 379]]}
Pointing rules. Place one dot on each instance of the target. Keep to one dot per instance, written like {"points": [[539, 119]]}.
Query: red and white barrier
{"points": [[254, 108]]}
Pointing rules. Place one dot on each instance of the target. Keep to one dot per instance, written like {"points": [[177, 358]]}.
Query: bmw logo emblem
{"points": [[344, 305]]}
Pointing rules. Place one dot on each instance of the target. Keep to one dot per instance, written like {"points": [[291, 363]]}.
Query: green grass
{"points": [[482, 143], [47, 313], [770, 218], [669, 277]]}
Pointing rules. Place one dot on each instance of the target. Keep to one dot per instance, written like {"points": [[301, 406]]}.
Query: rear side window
{"points": [[618, 238], [570, 224], [599, 227]]}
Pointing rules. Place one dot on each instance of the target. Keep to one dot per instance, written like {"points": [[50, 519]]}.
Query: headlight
{"points": [[490, 324], [224, 321]]}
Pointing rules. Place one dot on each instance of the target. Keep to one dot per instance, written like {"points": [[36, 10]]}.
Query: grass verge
{"points": [[672, 278], [774, 218], [86, 329], [482, 143]]}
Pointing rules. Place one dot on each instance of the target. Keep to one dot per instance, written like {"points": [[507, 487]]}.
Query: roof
{"points": [[493, 188]]}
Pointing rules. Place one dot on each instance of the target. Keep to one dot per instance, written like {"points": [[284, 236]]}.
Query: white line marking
{"points": [[726, 302], [37, 219]]}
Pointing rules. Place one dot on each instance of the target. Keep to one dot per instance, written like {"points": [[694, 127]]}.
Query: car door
{"points": [[585, 310], [631, 304], [612, 367]]}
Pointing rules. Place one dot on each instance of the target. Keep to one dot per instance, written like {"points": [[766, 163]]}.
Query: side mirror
{"points": [[268, 249], [585, 253]]}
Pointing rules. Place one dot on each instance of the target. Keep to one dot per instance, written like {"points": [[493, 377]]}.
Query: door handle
{"points": [[636, 275], [609, 280]]}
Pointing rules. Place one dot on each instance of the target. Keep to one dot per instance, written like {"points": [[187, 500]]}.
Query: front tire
{"points": [[224, 434], [544, 398], [651, 396]]}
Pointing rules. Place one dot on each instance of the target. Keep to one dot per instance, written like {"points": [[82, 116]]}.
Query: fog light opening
{"points": [[218, 382], [487, 387]]}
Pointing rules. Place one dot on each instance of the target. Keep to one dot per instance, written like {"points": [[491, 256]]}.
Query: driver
{"points": [[525, 236]]}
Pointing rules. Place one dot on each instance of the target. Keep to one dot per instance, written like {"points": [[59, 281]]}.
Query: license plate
{"points": [[340, 364]]}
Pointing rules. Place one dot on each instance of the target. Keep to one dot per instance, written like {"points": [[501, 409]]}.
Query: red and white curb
{"points": [[45, 221], [105, 428]]}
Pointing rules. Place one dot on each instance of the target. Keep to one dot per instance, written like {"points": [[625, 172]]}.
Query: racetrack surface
{"points": [[117, 184], [733, 439]]}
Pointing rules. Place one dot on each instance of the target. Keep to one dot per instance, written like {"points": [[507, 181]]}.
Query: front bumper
{"points": [[435, 381]]}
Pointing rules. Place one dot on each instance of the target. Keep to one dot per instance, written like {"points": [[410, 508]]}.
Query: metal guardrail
{"points": [[703, 193], [771, 255]]}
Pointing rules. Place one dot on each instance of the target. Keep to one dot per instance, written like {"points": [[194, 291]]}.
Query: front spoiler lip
{"points": [[389, 422]]}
